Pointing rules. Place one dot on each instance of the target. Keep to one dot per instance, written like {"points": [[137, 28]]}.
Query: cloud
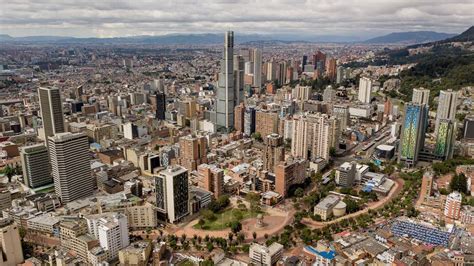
{"points": [[103, 18]]}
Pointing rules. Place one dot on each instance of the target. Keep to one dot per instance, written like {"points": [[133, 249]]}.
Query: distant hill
{"points": [[183, 39], [466, 36], [411, 37]]}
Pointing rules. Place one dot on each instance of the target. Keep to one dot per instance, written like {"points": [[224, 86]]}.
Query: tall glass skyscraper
{"points": [[444, 139], [413, 133], [224, 118]]}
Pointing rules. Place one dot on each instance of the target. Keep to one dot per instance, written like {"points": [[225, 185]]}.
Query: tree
{"points": [[257, 136], [209, 246], [299, 192], [230, 236], [332, 151], [201, 222], [351, 205], [459, 183], [9, 172], [235, 226], [254, 235]]}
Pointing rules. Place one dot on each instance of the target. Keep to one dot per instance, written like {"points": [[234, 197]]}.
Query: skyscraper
{"points": [[446, 107], [249, 120], [313, 135], [172, 193], [158, 101], [413, 133], [421, 96], [365, 89], [51, 111], [70, 165], [331, 68], [35, 165], [239, 65], [257, 68], [444, 139], [342, 113], [225, 87]]}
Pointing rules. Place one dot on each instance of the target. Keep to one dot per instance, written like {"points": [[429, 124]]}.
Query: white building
{"points": [[365, 89], [70, 166], [265, 256], [447, 105], [111, 229], [421, 96]]}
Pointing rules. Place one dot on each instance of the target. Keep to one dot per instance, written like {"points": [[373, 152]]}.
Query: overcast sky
{"points": [[108, 18]]}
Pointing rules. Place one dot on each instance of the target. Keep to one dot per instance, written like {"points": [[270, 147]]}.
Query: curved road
{"points": [[372, 206]]}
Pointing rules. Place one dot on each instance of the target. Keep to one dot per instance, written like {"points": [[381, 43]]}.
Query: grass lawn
{"points": [[225, 217], [186, 263]]}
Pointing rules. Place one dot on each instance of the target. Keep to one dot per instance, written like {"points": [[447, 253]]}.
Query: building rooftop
{"points": [[328, 202]]}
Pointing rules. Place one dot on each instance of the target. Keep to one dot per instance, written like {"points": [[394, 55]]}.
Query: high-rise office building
{"points": [[51, 111], [319, 61], [192, 151], [342, 113], [172, 193], [36, 166], [345, 174], [257, 68], [365, 89], [304, 62], [446, 107], [224, 116], [445, 139], [271, 70], [331, 68], [421, 96], [70, 166], [273, 152], [413, 133], [249, 120], [11, 252], [239, 65], [158, 101]]}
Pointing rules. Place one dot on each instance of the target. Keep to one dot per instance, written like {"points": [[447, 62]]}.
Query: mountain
{"points": [[466, 36], [411, 37], [5, 37], [189, 39]]}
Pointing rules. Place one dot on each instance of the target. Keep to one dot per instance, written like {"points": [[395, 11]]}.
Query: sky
{"points": [[114, 18]]}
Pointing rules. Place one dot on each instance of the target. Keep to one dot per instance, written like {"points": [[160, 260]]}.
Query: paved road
{"points": [[372, 206]]}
